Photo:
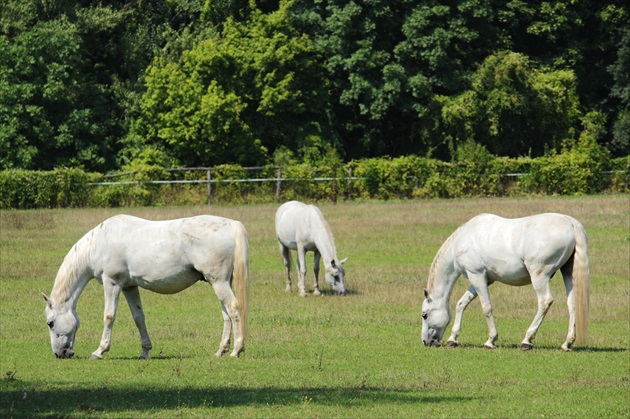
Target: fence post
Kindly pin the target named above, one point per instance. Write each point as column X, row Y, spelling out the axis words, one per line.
column 335, row 186
column 209, row 186
column 349, row 183
column 278, row 183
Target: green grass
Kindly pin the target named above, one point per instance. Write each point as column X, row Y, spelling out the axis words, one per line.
column 353, row 356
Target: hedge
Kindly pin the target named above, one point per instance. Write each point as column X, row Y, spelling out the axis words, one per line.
column 570, row 173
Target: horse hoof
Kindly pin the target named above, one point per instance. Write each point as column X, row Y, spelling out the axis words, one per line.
column 94, row 356
column 452, row 344
column 565, row 348
column 317, row 293
column 236, row 354
column 526, row 346
column 489, row 347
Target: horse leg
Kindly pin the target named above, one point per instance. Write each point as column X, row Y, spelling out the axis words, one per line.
column 286, row 256
column 224, row 346
column 463, row 302
column 231, row 317
column 567, row 275
column 132, row 295
column 316, row 272
column 545, row 299
column 112, row 293
column 480, row 284
column 301, row 261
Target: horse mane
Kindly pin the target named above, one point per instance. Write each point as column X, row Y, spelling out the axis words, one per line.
column 73, row 266
column 437, row 260
column 320, row 217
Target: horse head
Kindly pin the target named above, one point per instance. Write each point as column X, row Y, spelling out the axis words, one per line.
column 63, row 323
column 336, row 276
column 435, row 318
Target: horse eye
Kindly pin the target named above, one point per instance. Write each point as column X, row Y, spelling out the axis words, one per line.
column 51, row 324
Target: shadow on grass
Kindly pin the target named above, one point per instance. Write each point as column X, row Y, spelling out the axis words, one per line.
column 21, row 401
column 330, row 293
column 513, row 346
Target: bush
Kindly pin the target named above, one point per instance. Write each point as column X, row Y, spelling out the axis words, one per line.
column 580, row 169
column 26, row 189
column 586, row 168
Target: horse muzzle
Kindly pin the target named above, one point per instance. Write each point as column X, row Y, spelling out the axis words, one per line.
column 432, row 342
column 64, row 354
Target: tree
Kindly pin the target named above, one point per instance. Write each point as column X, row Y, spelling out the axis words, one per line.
column 620, row 71
column 236, row 97
column 43, row 119
column 69, row 75
column 514, row 108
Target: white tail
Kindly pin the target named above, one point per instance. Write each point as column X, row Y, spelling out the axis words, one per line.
column 581, row 282
column 241, row 273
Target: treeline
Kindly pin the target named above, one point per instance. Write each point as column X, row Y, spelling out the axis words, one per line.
column 582, row 170
column 118, row 85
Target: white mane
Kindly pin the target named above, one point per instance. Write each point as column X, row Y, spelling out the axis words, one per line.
column 438, row 261
column 328, row 233
column 74, row 265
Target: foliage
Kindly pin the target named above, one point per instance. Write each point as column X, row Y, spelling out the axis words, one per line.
column 582, row 168
column 211, row 82
column 234, row 97
column 513, row 108
column 45, row 189
column 621, row 90
column 578, row 170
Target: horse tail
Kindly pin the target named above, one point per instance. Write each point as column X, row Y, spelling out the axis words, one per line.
column 581, row 282
column 240, row 275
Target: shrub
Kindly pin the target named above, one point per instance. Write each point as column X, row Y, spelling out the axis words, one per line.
column 584, row 168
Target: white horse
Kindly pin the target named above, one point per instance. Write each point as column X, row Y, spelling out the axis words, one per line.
column 303, row 228
column 518, row 251
column 125, row 252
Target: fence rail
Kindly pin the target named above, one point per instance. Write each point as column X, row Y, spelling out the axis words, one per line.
column 278, row 178
column 209, row 180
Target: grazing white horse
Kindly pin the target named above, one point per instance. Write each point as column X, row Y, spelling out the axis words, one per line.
column 125, row 252
column 303, row 228
column 518, row 251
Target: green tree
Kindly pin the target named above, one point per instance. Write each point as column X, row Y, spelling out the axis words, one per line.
column 43, row 119
column 69, row 75
column 387, row 61
column 621, row 91
column 514, row 108
column 236, row 97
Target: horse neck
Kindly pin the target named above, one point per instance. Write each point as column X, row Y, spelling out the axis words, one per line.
column 324, row 240
column 443, row 273
column 74, row 273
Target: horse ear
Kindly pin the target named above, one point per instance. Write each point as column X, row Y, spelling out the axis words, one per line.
column 426, row 294
column 341, row 262
column 47, row 300
column 332, row 263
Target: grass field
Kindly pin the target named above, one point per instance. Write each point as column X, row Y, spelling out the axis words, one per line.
column 354, row 356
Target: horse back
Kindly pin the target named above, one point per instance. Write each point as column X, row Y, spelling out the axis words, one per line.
column 164, row 256
column 294, row 223
column 510, row 248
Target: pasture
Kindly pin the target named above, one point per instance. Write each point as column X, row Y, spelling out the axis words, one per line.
column 355, row 356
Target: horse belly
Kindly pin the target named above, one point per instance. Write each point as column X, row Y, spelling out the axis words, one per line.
column 164, row 275
column 167, row 284
column 508, row 272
